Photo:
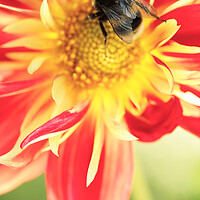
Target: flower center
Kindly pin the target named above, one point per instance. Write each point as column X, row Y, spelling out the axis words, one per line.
column 89, row 61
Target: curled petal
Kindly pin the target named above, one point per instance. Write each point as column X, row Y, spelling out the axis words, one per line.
column 62, row 122
column 59, row 9
column 117, row 129
column 46, row 16
column 161, row 87
column 162, row 33
column 54, row 142
column 166, row 32
column 62, row 94
column 157, row 120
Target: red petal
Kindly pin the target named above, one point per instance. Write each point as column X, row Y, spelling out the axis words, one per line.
column 11, row 121
column 117, row 169
column 186, row 88
column 14, row 177
column 13, row 3
column 157, row 120
column 16, row 87
column 185, row 60
column 12, row 130
column 189, row 32
column 19, row 9
column 163, row 3
column 168, row 76
column 62, row 122
column 13, row 110
column 6, row 37
column 192, row 124
column 66, row 175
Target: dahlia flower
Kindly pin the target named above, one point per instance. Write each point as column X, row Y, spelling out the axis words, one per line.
column 73, row 108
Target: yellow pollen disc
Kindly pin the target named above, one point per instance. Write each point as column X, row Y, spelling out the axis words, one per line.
column 87, row 59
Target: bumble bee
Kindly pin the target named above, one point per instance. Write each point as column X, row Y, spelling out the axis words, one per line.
column 125, row 16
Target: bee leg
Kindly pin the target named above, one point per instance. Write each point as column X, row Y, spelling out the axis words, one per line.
column 93, row 16
column 103, row 30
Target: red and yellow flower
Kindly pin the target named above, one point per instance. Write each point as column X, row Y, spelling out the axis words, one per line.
column 62, row 91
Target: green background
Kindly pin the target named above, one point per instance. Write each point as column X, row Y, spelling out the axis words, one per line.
column 168, row 169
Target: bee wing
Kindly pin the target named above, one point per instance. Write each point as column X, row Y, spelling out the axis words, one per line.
column 121, row 21
column 128, row 9
column 149, row 9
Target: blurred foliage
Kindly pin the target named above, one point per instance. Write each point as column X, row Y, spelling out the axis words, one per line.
column 28, row 191
column 168, row 169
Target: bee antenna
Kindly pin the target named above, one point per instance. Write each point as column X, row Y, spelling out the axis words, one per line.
column 161, row 19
